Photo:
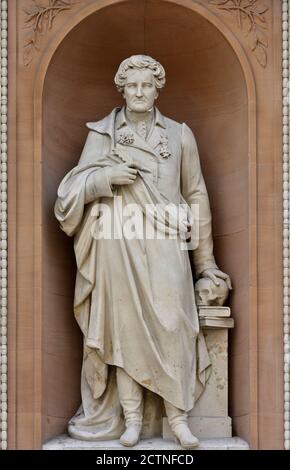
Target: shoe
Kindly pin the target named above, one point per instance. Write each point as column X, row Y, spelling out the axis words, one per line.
column 184, row 436
column 132, row 435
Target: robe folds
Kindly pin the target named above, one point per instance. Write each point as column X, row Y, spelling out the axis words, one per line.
column 134, row 298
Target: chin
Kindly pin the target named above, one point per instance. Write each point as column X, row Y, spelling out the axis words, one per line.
column 141, row 108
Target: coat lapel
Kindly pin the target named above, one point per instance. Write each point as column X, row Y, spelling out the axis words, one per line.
column 127, row 133
column 154, row 138
column 158, row 131
column 107, row 126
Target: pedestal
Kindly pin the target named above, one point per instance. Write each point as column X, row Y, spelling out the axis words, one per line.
column 64, row 442
column 209, row 418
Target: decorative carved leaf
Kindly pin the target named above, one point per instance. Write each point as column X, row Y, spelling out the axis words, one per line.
column 247, row 24
column 245, row 3
column 260, row 8
column 218, row 2
column 43, row 3
column 261, row 21
column 32, row 10
column 29, row 37
column 261, row 55
column 249, row 15
column 39, row 20
column 253, row 41
column 28, row 54
column 262, row 38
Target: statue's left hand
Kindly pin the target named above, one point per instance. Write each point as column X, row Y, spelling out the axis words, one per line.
column 215, row 274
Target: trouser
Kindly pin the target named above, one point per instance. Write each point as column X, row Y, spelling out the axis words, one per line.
column 131, row 399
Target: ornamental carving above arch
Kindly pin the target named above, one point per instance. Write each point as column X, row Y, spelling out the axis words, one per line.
column 250, row 16
column 40, row 16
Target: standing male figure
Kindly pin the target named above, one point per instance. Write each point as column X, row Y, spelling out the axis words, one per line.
column 134, row 298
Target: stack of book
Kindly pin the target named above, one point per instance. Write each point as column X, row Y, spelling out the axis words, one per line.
column 215, row 317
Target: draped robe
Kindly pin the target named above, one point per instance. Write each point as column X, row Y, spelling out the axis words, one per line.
column 134, row 298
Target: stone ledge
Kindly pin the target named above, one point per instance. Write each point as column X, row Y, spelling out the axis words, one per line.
column 64, row 442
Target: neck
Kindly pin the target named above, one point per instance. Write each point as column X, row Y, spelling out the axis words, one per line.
column 133, row 116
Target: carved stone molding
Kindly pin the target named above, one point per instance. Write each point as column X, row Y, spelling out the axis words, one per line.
column 3, row 219
column 286, row 224
column 40, row 16
column 251, row 19
column 31, row 25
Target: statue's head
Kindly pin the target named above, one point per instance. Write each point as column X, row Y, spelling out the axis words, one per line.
column 139, row 78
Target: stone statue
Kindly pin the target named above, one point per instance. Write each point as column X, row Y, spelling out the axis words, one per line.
column 134, row 296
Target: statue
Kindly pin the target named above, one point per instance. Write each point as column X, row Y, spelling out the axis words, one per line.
column 134, row 296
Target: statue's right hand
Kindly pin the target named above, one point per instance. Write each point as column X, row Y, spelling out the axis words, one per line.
column 122, row 173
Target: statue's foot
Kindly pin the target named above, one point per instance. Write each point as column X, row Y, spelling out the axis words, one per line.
column 184, row 436
column 132, row 435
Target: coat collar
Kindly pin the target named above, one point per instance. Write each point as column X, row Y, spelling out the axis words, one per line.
column 122, row 120
column 107, row 125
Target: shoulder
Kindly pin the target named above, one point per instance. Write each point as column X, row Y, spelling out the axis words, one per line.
column 104, row 125
column 181, row 128
column 188, row 139
column 173, row 125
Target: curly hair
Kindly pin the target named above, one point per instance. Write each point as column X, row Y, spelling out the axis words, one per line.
column 140, row 62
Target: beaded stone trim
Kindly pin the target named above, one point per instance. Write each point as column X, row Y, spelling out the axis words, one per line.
column 286, row 274
column 3, row 217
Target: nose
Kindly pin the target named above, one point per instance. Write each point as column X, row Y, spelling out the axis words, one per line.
column 139, row 92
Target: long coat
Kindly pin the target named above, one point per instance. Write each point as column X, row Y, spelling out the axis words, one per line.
column 134, row 299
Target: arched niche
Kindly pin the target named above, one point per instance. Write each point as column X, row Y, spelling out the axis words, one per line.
column 208, row 88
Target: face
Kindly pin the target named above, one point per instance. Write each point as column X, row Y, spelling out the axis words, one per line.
column 140, row 91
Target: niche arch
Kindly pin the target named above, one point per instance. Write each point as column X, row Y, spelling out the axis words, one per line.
column 211, row 87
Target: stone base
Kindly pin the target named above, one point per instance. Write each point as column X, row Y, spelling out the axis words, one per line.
column 64, row 442
column 203, row 427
